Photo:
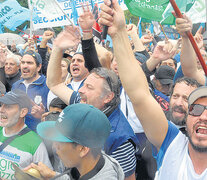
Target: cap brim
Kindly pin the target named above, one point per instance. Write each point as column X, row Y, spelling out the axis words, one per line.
column 166, row 81
column 196, row 94
column 48, row 130
column 65, row 55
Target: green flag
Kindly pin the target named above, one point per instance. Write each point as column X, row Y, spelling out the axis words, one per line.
column 153, row 9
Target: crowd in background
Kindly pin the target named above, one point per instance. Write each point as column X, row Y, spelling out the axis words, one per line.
column 125, row 82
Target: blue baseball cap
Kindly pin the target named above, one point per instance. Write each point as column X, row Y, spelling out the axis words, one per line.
column 16, row 96
column 35, row 55
column 79, row 123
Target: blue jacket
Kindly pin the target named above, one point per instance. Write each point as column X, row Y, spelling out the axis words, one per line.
column 121, row 132
column 36, row 88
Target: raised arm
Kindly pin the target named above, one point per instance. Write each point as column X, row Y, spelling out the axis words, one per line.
column 133, row 79
column 132, row 32
column 66, row 39
column 86, row 21
column 188, row 56
column 159, row 55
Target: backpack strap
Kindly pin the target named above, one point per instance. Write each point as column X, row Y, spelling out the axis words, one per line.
column 10, row 139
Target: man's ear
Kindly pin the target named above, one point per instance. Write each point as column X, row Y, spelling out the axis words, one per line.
column 108, row 97
column 83, row 151
column 23, row 112
column 39, row 67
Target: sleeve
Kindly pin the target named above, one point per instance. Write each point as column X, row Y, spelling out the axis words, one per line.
column 64, row 177
column 145, row 53
column 125, row 155
column 178, row 74
column 75, row 98
column 42, row 52
column 41, row 155
column 2, row 76
column 90, row 54
column 147, row 72
column 171, row 134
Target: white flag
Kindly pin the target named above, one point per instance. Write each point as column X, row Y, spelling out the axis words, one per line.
column 48, row 8
column 198, row 12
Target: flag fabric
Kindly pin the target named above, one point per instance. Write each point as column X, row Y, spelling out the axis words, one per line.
column 96, row 28
column 151, row 28
column 22, row 32
column 183, row 5
column 92, row 4
column 49, row 8
column 156, row 27
column 13, row 14
column 1, row 29
column 198, row 12
column 140, row 27
column 74, row 12
column 153, row 10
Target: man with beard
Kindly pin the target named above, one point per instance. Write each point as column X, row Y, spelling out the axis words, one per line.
column 178, row 101
column 34, row 85
column 178, row 156
column 22, row 146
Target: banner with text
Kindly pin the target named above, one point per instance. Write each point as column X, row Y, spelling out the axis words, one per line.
column 12, row 14
column 58, row 18
column 198, row 12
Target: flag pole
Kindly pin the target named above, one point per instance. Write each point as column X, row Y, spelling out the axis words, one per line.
column 64, row 13
column 163, row 31
column 31, row 17
column 190, row 36
column 206, row 13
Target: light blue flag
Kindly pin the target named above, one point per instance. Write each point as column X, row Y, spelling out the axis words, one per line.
column 92, row 4
column 74, row 12
column 140, row 28
column 151, row 28
column 12, row 14
column 1, row 29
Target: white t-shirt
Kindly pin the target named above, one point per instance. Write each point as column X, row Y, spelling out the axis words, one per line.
column 125, row 106
column 174, row 162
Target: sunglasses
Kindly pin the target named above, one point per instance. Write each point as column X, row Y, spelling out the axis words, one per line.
column 196, row 109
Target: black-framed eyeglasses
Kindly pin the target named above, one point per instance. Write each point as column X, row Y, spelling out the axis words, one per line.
column 196, row 109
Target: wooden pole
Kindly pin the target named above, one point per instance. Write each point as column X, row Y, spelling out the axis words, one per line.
column 163, row 31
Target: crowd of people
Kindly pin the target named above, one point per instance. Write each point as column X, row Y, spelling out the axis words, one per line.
column 133, row 111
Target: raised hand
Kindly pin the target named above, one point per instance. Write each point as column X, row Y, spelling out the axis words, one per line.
column 131, row 30
column 86, row 20
column 112, row 17
column 37, row 110
column 183, row 25
column 199, row 37
column 47, row 35
column 3, row 54
column 68, row 38
column 164, row 50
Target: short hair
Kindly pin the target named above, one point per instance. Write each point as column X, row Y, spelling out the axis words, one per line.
column 58, row 103
column 174, row 61
column 187, row 80
column 15, row 58
column 112, row 84
column 94, row 151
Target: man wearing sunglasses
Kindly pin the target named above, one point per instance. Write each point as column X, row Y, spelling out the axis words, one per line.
column 178, row 156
